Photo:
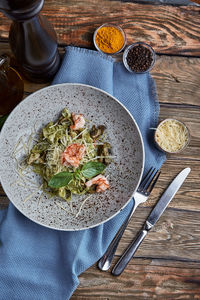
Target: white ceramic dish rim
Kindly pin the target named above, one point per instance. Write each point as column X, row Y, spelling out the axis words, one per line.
column 141, row 139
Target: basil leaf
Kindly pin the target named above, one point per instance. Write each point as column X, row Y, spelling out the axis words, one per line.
column 60, row 179
column 92, row 168
column 77, row 175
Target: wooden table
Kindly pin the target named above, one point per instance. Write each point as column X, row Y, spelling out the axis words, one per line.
column 167, row 265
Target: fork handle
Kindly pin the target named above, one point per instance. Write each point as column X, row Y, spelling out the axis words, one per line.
column 106, row 260
column 128, row 254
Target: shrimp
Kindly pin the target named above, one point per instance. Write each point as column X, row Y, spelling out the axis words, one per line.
column 101, row 182
column 78, row 120
column 72, row 155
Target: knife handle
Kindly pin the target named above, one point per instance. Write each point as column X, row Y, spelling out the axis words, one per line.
column 128, row 254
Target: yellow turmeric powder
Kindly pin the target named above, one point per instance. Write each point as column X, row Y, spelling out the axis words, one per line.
column 109, row 39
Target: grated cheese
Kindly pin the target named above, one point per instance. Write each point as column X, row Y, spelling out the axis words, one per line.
column 82, row 204
column 60, row 206
column 171, row 135
column 33, row 194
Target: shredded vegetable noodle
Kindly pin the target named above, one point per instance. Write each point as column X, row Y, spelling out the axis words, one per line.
column 67, row 154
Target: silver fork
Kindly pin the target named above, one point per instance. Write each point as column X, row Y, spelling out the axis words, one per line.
column 145, row 188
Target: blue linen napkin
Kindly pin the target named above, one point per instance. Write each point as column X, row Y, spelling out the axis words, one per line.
column 42, row 263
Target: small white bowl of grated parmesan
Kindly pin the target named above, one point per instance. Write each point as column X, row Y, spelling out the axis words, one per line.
column 172, row 136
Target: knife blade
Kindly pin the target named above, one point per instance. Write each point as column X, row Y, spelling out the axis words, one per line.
column 151, row 220
column 167, row 196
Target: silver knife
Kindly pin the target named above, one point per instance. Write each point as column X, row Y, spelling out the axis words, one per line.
column 151, row 221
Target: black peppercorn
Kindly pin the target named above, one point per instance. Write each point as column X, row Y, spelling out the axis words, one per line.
column 139, row 58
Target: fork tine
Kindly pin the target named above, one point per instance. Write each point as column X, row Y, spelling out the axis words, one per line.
column 147, row 178
column 153, row 181
column 150, row 178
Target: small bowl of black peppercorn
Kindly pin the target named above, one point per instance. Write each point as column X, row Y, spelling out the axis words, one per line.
column 139, row 58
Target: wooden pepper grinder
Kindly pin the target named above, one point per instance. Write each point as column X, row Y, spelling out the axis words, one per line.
column 32, row 39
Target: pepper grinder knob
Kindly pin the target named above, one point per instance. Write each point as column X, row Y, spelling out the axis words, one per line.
column 32, row 39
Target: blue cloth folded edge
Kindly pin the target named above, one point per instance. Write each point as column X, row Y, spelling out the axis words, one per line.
column 53, row 260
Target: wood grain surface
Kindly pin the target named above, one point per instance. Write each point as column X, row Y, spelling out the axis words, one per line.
column 161, row 2
column 167, row 265
column 169, row 29
column 144, row 278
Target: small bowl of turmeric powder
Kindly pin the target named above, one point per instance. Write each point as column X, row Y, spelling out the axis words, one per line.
column 109, row 39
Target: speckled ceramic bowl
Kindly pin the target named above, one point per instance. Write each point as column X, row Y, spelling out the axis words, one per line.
column 124, row 173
